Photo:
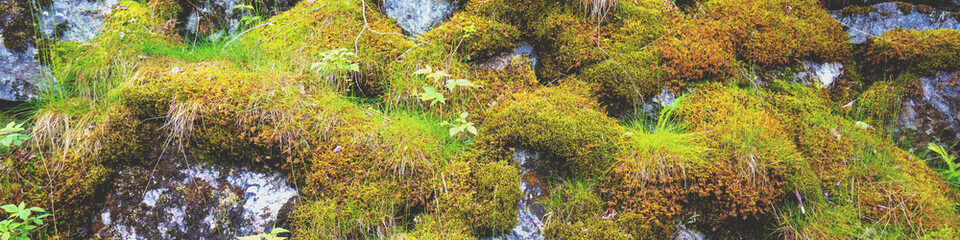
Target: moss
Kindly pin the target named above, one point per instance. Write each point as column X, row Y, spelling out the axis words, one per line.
column 498, row 192
column 855, row 9
column 905, row 8
column 128, row 140
column 770, row 35
column 566, row 43
column 563, row 124
column 879, row 104
column 924, row 52
column 631, row 78
column 593, row 228
column 474, row 37
column 698, row 52
column 299, row 35
column 132, row 24
column 925, row 9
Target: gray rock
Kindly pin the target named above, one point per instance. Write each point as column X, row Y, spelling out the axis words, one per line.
column 684, row 233
column 192, row 202
column 78, row 20
column 932, row 117
column 824, row 74
column 418, row 16
column 862, row 27
column 20, row 74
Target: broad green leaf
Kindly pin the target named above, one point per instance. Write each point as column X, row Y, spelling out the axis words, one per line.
column 472, row 129
column 453, row 131
column 279, row 230
column 256, row 237
column 423, row 71
column 5, row 236
column 10, row 208
column 36, row 209
column 464, row 115
column 26, row 227
column 24, row 215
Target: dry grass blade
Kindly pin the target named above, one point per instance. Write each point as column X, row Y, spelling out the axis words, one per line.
column 598, row 9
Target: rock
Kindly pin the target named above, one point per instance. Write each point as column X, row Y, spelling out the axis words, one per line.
column 932, row 117
column 75, row 20
column 888, row 17
column 20, row 74
column 529, row 217
column 418, row 16
column 823, row 73
column 684, row 233
column 192, row 202
column 217, row 19
column 525, row 50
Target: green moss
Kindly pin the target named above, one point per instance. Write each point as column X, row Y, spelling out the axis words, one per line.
column 905, row 8
column 925, row 9
column 474, row 37
column 566, row 43
column 593, row 228
column 563, row 124
column 924, row 52
column 855, row 9
column 498, row 192
column 630, row 78
column 771, row 35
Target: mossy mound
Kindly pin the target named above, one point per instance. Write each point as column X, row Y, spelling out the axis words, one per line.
column 474, row 37
column 562, row 123
column 923, row 52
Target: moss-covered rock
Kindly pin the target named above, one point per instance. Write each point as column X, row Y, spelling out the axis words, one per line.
column 562, row 123
column 474, row 37
column 498, row 193
column 924, row 52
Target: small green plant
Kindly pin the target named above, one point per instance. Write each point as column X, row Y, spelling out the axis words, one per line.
column 452, row 84
column 952, row 173
column 431, row 94
column 436, row 75
column 20, row 221
column 12, row 135
column 460, row 125
column 268, row 236
column 249, row 18
column 334, row 64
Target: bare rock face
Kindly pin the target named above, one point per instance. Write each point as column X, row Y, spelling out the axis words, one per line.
column 934, row 116
column 183, row 201
column 418, row 16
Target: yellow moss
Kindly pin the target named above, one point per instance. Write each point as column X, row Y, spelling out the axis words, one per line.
column 560, row 122
column 498, row 192
column 474, row 37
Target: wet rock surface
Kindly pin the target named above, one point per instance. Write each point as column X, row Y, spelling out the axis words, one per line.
column 176, row 200
column 932, row 116
column 861, row 27
column 530, row 215
column 418, row 16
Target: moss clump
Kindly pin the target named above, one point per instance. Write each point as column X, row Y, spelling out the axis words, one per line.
column 924, row 52
column 474, row 37
column 498, row 192
column 905, row 8
column 628, row 79
column 299, row 35
column 593, row 228
column 925, row 9
column 855, row 9
column 700, row 51
column 566, row 44
column 563, row 124
column 771, row 35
